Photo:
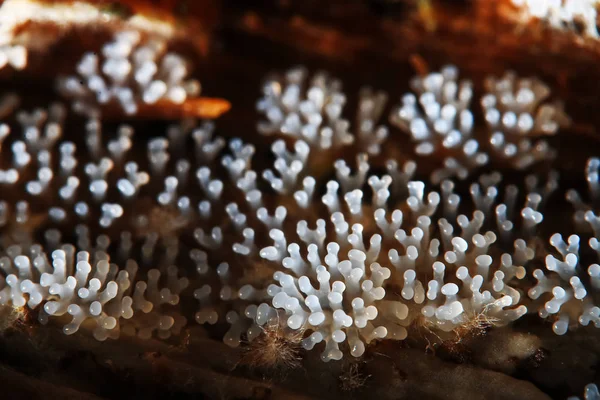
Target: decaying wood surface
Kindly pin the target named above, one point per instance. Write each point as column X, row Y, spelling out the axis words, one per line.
column 381, row 43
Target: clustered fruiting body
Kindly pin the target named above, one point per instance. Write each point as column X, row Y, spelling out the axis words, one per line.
column 131, row 70
column 573, row 285
column 587, row 214
column 77, row 276
column 339, row 257
column 14, row 56
column 334, row 285
column 576, row 15
column 590, row 392
column 439, row 119
column 312, row 111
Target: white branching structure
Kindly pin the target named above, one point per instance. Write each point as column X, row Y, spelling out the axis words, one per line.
column 338, row 290
column 312, row 111
column 29, row 26
column 14, row 56
column 46, row 167
column 571, row 297
column 587, row 213
column 516, row 115
column 340, row 259
column 570, row 300
column 575, row 15
column 590, row 392
column 439, row 120
column 331, row 280
column 94, row 188
column 331, row 277
column 96, row 291
column 132, row 70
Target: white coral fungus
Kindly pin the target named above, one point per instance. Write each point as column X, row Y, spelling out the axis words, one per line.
column 576, row 15
column 312, row 111
column 132, row 70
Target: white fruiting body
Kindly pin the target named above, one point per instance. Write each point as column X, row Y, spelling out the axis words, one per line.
column 516, row 115
column 351, row 282
column 131, row 70
column 312, row 111
column 347, row 257
column 568, row 297
column 590, row 392
column 14, row 55
column 563, row 14
column 72, row 283
column 333, row 285
column 444, row 278
column 439, row 120
column 587, row 214
column 313, row 115
column 95, row 195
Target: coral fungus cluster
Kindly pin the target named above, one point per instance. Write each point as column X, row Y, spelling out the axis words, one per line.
column 440, row 120
column 576, row 15
column 346, row 258
column 590, row 393
column 132, row 69
column 321, row 239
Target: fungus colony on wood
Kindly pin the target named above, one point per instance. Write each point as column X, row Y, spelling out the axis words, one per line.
column 97, row 235
column 132, row 69
column 576, row 15
column 590, row 392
